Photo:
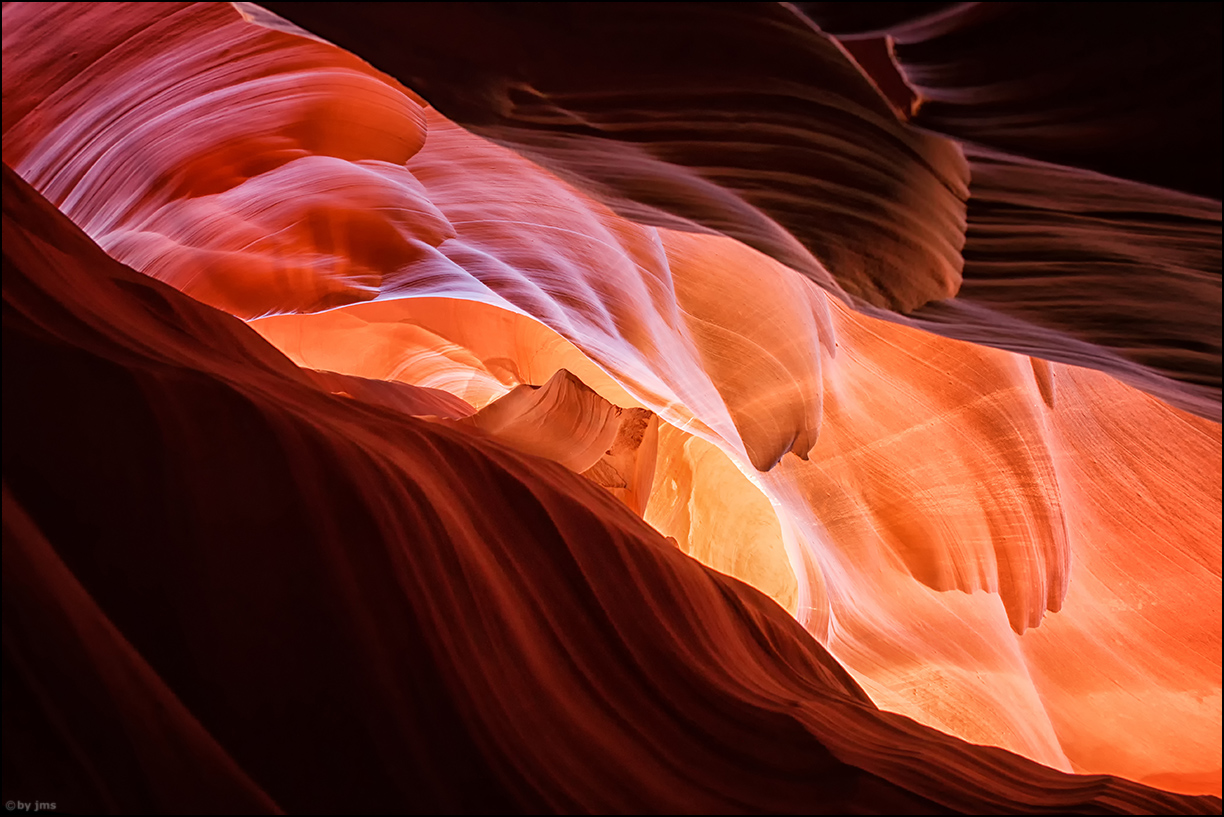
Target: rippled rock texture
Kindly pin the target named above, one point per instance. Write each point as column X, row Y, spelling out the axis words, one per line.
column 635, row 407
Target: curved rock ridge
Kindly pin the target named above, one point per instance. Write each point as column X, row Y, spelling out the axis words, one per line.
column 470, row 349
column 1060, row 85
column 740, row 140
column 1128, row 276
column 614, row 108
column 972, row 69
column 192, row 151
column 360, row 224
column 415, row 400
column 330, row 604
column 563, row 420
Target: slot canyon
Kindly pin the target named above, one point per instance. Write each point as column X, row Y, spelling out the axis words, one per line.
column 612, row 407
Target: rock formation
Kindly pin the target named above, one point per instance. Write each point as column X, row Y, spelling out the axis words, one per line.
column 618, row 407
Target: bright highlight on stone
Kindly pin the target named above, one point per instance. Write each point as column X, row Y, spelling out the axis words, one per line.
column 558, row 413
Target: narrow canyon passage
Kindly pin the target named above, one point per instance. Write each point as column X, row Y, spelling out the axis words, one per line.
column 539, row 418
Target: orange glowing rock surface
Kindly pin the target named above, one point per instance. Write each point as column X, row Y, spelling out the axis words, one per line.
column 563, row 421
column 1008, row 551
